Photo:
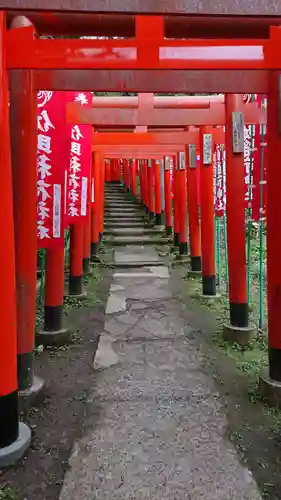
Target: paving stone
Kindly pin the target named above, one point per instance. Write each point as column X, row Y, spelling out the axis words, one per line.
column 115, row 303
column 116, row 288
column 134, row 254
column 105, row 354
column 116, row 328
column 139, row 306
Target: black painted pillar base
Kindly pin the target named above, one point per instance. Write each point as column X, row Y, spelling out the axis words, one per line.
column 10, row 454
column 100, row 237
column 9, row 422
column 209, row 285
column 169, row 230
column 196, row 264
column 86, row 265
column 239, row 314
column 151, row 216
column 128, row 190
column 53, row 318
column 183, row 248
column 159, row 219
column 176, row 239
column 239, row 331
column 146, row 209
column 25, row 370
column 15, row 436
column 274, row 358
column 75, row 285
column 53, row 333
column 94, row 250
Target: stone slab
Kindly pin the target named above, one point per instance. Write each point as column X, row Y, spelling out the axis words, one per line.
column 115, row 303
column 136, row 264
column 152, row 272
column 131, row 327
column 121, row 205
column 132, row 240
column 123, row 210
column 117, row 225
column 136, row 254
column 124, row 217
column 131, row 231
column 105, row 355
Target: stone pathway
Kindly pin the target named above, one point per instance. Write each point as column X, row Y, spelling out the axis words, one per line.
column 155, row 427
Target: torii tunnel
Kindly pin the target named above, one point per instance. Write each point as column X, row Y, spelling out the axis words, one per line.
column 154, row 47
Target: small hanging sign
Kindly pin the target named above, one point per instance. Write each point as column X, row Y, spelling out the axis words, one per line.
column 182, row 161
column 207, row 149
column 167, row 162
column 93, row 190
column 237, row 132
column 279, row 102
column 192, row 155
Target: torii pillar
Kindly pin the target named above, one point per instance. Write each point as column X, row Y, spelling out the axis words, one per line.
column 23, row 113
column 168, row 196
column 193, row 211
column 238, row 330
column 95, row 206
column 207, row 214
column 15, row 437
column 23, row 151
column 270, row 383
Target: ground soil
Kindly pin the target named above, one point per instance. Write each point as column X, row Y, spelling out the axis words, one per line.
column 58, row 420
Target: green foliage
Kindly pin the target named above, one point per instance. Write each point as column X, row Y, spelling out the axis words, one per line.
column 8, row 494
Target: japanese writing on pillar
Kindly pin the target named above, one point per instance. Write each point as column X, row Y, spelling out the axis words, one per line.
column 172, row 166
column 79, row 163
column 259, row 174
column 44, row 171
column 52, row 150
column 249, row 145
column 48, row 193
column 219, row 180
column 74, row 178
column 249, row 148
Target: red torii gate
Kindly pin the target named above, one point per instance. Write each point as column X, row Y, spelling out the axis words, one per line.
column 213, row 115
column 228, row 66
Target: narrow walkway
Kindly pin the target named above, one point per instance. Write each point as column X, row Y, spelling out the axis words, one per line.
column 155, row 427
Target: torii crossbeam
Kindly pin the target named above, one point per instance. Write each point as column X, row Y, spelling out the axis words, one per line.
column 215, row 115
